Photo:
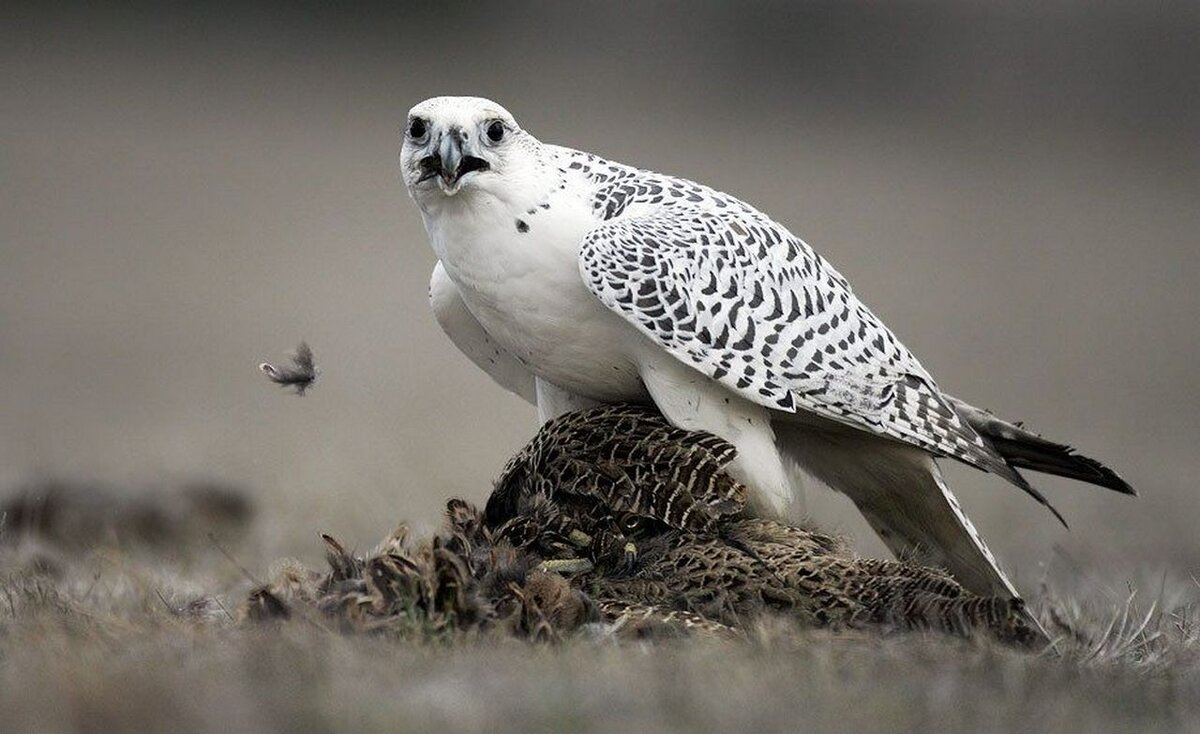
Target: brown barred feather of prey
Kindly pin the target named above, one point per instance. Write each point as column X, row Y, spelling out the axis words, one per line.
column 622, row 458
column 611, row 515
column 621, row 475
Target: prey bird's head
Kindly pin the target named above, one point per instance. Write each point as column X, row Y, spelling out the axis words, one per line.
column 460, row 144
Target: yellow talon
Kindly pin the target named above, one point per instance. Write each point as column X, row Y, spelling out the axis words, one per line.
column 580, row 538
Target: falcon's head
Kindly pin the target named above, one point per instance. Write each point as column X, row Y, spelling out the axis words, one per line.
column 455, row 145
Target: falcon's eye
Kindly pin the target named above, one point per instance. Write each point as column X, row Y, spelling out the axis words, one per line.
column 417, row 128
column 495, row 131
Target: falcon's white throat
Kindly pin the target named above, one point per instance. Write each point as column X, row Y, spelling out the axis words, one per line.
column 571, row 279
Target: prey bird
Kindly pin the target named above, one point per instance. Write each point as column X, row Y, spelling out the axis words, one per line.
column 575, row 281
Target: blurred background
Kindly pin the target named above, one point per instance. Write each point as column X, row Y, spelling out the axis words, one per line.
column 1014, row 187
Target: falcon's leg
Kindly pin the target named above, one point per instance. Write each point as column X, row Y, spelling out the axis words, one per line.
column 553, row 401
column 900, row 491
column 472, row 340
column 692, row 401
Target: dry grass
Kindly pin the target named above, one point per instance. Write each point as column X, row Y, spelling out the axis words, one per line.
column 121, row 637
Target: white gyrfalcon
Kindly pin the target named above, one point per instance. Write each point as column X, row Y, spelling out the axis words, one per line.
column 573, row 280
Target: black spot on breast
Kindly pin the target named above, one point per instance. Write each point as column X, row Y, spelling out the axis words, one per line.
column 522, row 227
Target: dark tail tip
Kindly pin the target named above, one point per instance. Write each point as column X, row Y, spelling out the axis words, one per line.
column 1061, row 460
column 1024, row 449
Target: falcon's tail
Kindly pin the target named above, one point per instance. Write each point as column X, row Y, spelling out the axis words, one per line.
column 1023, row 449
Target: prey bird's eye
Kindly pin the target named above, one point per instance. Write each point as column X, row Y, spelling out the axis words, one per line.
column 495, row 131
column 417, row 128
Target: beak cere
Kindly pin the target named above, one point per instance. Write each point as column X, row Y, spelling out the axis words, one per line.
column 453, row 160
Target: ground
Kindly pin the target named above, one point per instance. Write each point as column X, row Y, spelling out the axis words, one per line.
column 134, row 634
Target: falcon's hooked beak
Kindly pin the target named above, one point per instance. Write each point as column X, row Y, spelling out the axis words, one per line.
column 454, row 159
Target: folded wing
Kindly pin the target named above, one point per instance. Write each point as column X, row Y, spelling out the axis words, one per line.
column 736, row 296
